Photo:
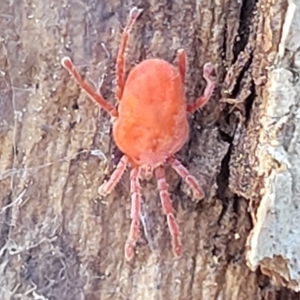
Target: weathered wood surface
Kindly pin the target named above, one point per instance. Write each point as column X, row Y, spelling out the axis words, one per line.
column 274, row 241
column 59, row 240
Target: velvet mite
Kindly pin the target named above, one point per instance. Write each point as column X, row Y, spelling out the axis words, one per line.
column 151, row 126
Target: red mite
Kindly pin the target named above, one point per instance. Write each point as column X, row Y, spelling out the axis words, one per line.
column 151, row 126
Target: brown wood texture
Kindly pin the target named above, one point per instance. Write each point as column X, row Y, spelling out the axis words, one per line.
column 59, row 239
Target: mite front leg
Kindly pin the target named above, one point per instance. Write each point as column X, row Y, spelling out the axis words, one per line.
column 115, row 177
column 135, row 191
column 68, row 64
column 181, row 55
column 187, row 177
column 120, row 68
column 208, row 74
column 168, row 210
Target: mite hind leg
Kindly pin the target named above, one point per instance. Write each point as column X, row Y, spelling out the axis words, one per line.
column 168, row 210
column 120, row 67
column 115, row 177
column 186, row 176
column 135, row 192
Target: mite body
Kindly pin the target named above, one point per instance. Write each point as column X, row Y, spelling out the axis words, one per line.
column 152, row 122
column 151, row 126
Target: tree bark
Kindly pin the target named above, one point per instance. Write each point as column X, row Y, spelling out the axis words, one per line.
column 61, row 240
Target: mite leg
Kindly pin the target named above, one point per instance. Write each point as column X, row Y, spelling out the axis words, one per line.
column 120, row 68
column 135, row 192
column 168, row 209
column 115, row 177
column 68, row 64
column 187, row 177
column 208, row 74
column 181, row 54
